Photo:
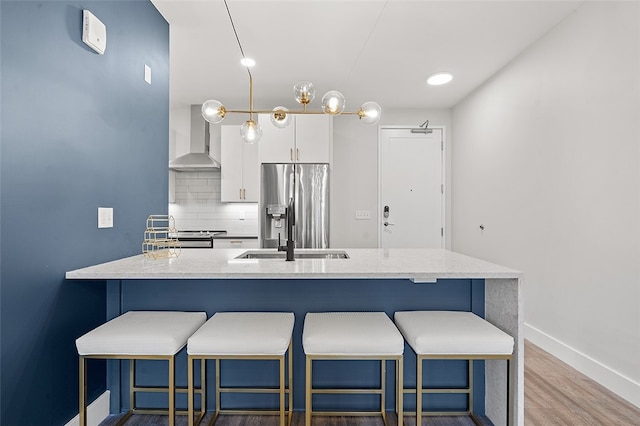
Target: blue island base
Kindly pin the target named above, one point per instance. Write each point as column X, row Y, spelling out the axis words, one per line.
column 299, row 296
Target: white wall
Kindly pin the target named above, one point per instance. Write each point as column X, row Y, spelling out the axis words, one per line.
column 354, row 176
column 546, row 156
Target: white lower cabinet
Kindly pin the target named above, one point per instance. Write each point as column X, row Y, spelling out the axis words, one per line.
column 247, row 243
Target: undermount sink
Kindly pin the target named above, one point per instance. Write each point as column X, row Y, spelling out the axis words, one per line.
column 298, row 254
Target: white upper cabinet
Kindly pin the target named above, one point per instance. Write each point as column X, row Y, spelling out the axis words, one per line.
column 313, row 138
column 240, row 180
column 276, row 145
column 307, row 139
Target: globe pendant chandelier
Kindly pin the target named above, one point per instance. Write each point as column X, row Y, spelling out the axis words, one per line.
column 333, row 103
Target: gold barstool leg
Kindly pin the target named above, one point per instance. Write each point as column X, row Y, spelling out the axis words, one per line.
column 132, row 384
column 471, row 388
column 217, row 387
column 307, row 405
column 82, row 416
column 172, row 391
column 419, row 391
column 203, row 388
column 290, row 361
column 282, row 403
column 190, row 390
column 400, row 391
column 383, row 373
column 509, row 392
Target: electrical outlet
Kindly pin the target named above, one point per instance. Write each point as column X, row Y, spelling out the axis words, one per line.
column 105, row 217
column 363, row 215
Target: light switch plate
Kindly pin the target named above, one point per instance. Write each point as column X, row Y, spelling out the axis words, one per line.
column 147, row 73
column 105, row 217
column 363, row 215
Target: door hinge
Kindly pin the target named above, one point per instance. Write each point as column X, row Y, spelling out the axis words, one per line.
column 442, row 232
column 442, row 188
column 441, row 145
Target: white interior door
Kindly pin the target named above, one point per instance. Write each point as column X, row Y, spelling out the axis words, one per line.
column 411, row 189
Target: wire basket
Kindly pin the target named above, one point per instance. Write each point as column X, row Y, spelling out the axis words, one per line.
column 160, row 241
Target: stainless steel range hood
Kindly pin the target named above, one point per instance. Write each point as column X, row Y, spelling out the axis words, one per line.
column 198, row 158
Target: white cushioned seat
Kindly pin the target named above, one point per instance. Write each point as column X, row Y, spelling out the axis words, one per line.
column 243, row 333
column 451, row 333
column 351, row 333
column 142, row 333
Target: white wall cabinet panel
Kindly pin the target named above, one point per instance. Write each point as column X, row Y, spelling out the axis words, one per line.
column 306, row 140
column 250, row 172
column 239, row 177
column 313, row 139
column 276, row 145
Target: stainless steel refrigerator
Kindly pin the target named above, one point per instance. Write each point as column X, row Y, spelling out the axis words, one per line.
column 308, row 184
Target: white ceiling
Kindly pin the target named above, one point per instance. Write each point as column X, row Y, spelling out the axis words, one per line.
column 368, row 50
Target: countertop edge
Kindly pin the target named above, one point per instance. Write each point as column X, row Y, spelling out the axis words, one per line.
column 419, row 278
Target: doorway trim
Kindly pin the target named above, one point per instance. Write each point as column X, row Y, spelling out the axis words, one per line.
column 445, row 182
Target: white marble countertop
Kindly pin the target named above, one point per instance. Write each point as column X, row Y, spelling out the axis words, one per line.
column 420, row 265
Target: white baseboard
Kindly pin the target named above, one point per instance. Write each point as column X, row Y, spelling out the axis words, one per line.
column 97, row 411
column 614, row 381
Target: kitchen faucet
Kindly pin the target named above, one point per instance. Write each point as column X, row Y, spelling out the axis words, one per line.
column 291, row 242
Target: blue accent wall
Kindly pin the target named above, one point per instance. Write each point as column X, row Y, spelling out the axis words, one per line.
column 78, row 131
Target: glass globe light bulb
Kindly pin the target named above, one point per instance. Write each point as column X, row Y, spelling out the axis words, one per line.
column 213, row 111
column 280, row 118
column 333, row 102
column 251, row 131
column 370, row 112
column 304, row 92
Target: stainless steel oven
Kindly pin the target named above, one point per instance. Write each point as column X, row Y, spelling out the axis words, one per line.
column 197, row 239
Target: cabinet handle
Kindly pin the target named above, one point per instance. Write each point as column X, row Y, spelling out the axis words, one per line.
column 235, row 241
column 297, row 154
column 244, row 193
column 240, row 195
column 291, row 154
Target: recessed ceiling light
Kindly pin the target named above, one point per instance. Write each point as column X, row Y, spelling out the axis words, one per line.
column 440, row 78
column 247, row 62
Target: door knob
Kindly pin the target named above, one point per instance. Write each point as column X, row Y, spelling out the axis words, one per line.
column 388, row 224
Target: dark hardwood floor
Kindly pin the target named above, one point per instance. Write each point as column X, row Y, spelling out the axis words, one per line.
column 555, row 394
column 298, row 420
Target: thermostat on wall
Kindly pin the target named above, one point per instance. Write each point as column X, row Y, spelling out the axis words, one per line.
column 94, row 32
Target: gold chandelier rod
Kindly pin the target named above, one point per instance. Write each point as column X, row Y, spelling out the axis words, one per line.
column 270, row 111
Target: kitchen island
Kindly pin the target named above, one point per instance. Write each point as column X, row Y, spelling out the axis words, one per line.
column 387, row 280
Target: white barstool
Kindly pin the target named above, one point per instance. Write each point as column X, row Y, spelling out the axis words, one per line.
column 352, row 336
column 453, row 335
column 243, row 335
column 151, row 335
